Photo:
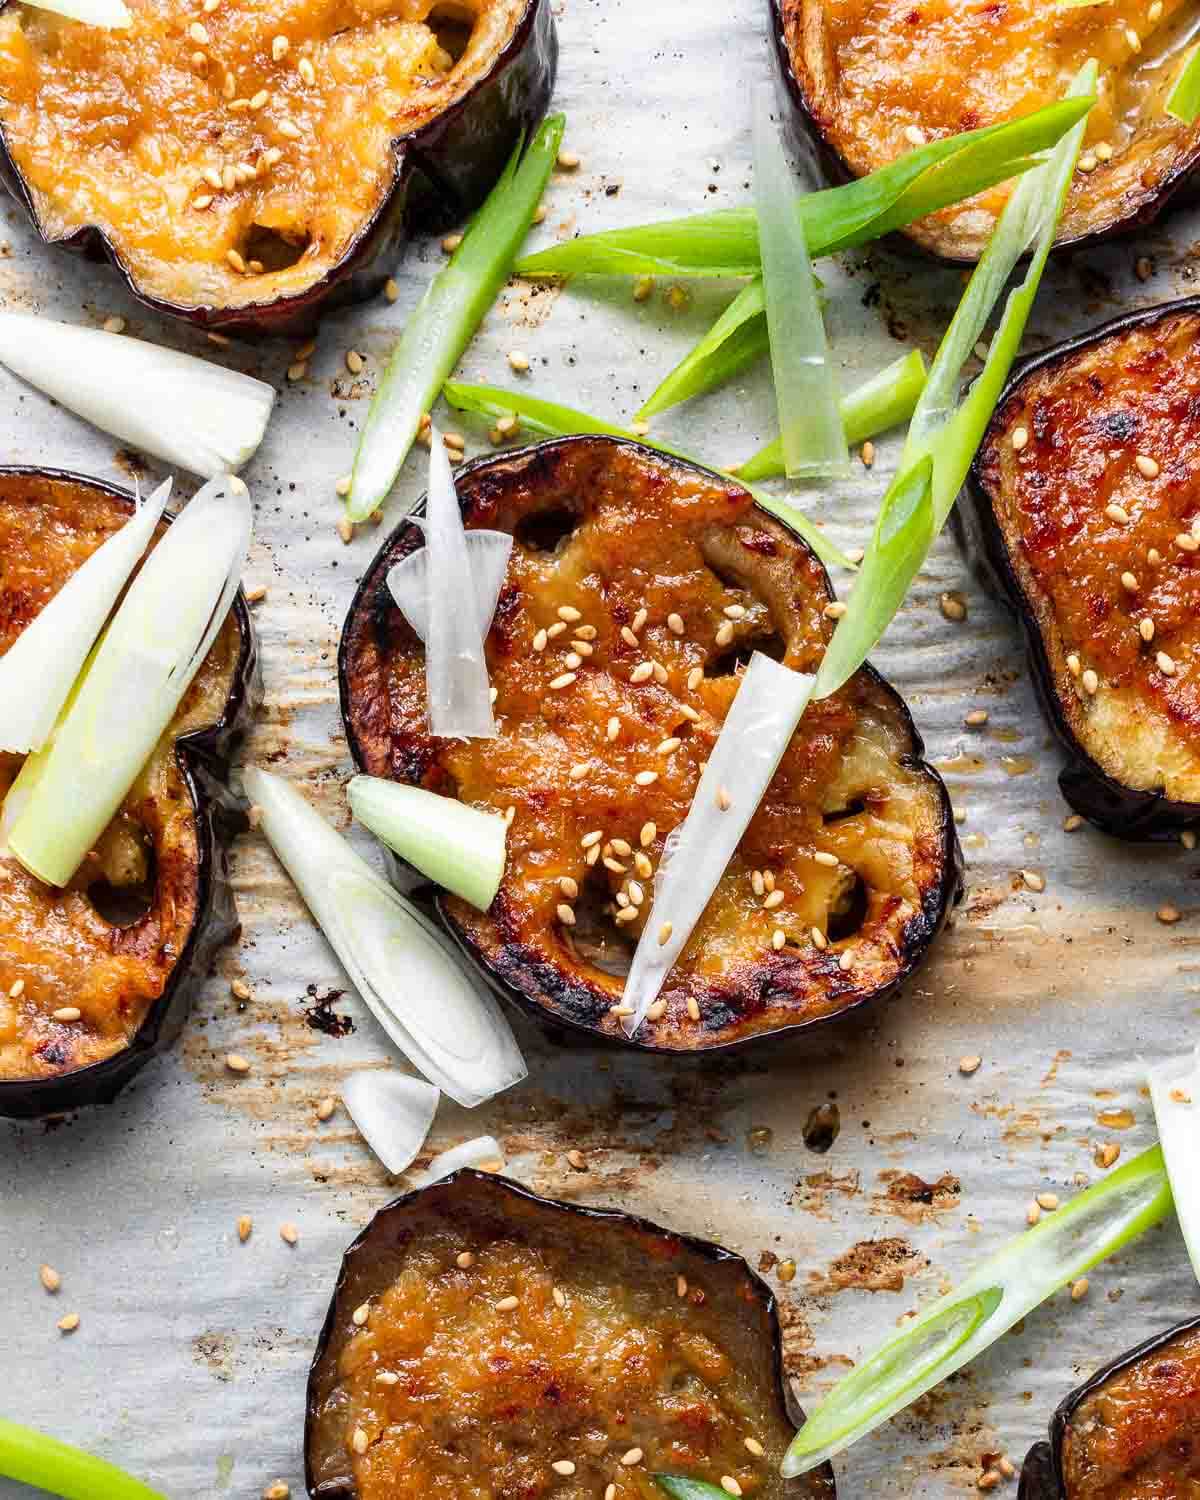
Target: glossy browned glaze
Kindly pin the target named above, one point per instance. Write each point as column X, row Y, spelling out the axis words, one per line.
column 1092, row 573
column 450, row 1388
column 879, row 76
column 620, row 541
column 232, row 155
column 56, row 948
column 1137, row 1437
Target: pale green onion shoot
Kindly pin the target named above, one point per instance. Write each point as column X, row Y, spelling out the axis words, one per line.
column 393, row 1112
column 1175, row 1094
column 36, row 1459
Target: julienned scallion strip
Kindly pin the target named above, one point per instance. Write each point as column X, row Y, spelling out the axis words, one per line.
column 1184, row 101
column 33, row 1458
column 445, row 320
column 945, row 431
column 549, row 419
column 1003, row 1290
column 726, row 243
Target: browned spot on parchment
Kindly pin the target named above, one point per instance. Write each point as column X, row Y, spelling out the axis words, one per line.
column 872, row 1266
column 912, row 1198
column 815, row 1190
column 215, row 1350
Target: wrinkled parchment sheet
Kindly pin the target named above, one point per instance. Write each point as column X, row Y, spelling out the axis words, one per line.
column 190, row 1360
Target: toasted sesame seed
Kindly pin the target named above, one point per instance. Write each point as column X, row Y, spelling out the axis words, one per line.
column 1129, row 583
column 646, row 778
column 518, row 361
column 1147, row 466
column 778, row 939
column 289, row 1234
column 622, row 847
column 1146, row 629
column 359, row 1441
column 360, row 1315
column 67, row 1013
column 1104, row 152
column 1186, row 542
column 1073, row 665
column 753, row 1446
column 1168, row 914
column 787, row 1270
column 769, row 879
column 819, row 939
column 867, row 454
column 1032, row 1214
column 988, row 1481
column 565, row 914
column 68, row 1324
column 1020, row 438
column 634, row 1456
column 953, row 608
column 642, row 672
column 289, row 130
column 563, row 680
column 1033, row 880
column 725, row 634
column 822, row 857
column 387, row 1377
column 1087, row 162
column 1048, row 1201
column 391, row 287
column 1188, row 838
column 647, row 835
column 772, row 900
column 834, row 611
column 730, row 1485
column 1116, row 513
column 675, row 623
column 464, row 1260
column 577, row 1160
column 279, row 47
column 563, row 1466
column 1135, row 41
column 1091, row 683
column 508, row 1304
column 625, row 914
column 50, row 1278
column 236, row 1063
column 969, row 1065
column 326, row 1107
column 280, row 1490
column 593, row 838
column 1079, row 1289
column 298, row 368
column 198, row 34
column 724, row 800
column 1107, row 1154
column 345, row 529
column 660, row 672
column 914, row 135
column 693, row 1008
column 582, row 649
column 17, row 990
column 579, row 771
column 1166, row 664
column 355, row 362
column 734, row 611
column 245, row 1226
column 757, row 884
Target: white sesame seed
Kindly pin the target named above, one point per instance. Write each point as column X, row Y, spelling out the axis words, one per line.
column 1020, row 438
column 236, row 1063
column 753, row 1446
column 387, row 1377
column 591, row 839
column 289, row 1234
column 822, row 857
column 1166, row 664
column 642, row 672
column 279, row 47
column 724, row 800
column 772, row 900
column 914, row 135
column 646, row 778
column 50, row 1278
column 360, row 1315
column 725, row 634
column 67, row 1013
column 508, row 1304
column 1129, row 583
column 1091, row 683
column 563, row 1466
column 359, row 1441
column 1146, row 629
column 834, row 611
column 1147, row 466
column 68, row 1324
column 675, row 624
column 1073, row 665
column 564, row 680
column 694, row 678
column 518, row 361
column 1033, row 880
column 634, row 1456
column 1116, row 513
column 730, row 1485
column 668, row 747
column 565, row 914
column 693, row 1007
column 819, row 939
column 778, row 938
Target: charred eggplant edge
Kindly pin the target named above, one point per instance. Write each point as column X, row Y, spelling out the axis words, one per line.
column 919, row 935
column 440, row 173
column 1119, row 810
column 473, row 1182
column 1041, row 1473
column 203, row 758
column 809, row 134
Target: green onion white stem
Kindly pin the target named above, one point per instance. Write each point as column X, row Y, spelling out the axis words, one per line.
column 404, row 967
column 933, row 176
column 488, row 553
column 35, row 1459
column 133, row 684
column 1004, row 1289
column 461, row 848
column 806, row 394
column 113, row 15
column 549, row 419
column 1183, row 103
column 880, row 403
column 1175, row 1094
column 483, row 1152
column 393, row 1112
column 757, row 730
column 945, row 431
column 189, row 412
column 39, row 669
column 445, row 320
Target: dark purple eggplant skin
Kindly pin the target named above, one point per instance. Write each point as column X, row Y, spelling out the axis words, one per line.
column 1042, row 1472
column 204, row 759
column 1181, row 189
column 468, row 1192
column 1124, row 812
column 441, row 174
column 523, row 975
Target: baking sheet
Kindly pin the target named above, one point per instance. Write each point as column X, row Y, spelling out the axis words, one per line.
column 190, row 1359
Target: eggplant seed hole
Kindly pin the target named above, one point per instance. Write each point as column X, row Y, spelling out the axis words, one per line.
column 733, row 663
column 847, row 908
column 273, row 249
column 595, row 938
column 453, row 26
column 546, row 530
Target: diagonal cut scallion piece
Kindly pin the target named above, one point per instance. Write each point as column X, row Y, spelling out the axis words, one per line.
column 806, row 394
column 33, row 1458
column 550, row 419
column 40, row 668
column 1183, row 104
column 393, row 1112
column 404, row 967
column 445, row 320
column 944, row 429
column 1003, row 1290
column 683, row 1487
column 882, row 402
column 933, row 176
column 135, row 680
column 484, row 1153
column 488, row 551
column 1175, row 1094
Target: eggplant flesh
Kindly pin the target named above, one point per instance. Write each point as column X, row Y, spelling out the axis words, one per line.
column 869, row 79
column 1131, row 1432
column 1083, row 513
column 242, row 170
column 636, row 1338
column 131, row 939
column 667, row 576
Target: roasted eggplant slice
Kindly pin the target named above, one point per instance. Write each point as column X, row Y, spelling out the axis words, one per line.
column 868, row 79
column 638, row 587
column 1084, row 511
column 505, row 1334
column 1132, row 1432
column 242, row 167
column 129, row 942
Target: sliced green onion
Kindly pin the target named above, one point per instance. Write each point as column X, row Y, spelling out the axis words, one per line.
column 681, row 1487
column 484, row 1153
column 39, row 669
column 735, row 341
column 1175, row 1094
column 550, row 419
column 944, row 428
column 488, row 553
column 393, row 1114
column 33, row 1458
column 757, row 730
column 404, row 967
column 1184, row 101
column 132, row 685
column 446, row 318
column 1003, row 1290
column 459, row 847
column 189, row 412
column 882, row 402
column 806, row 393
column 933, row 176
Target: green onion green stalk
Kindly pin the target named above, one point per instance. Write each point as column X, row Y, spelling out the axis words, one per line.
column 43, row 1462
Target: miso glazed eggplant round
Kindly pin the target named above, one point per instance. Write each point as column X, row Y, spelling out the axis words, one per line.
column 483, row 1341
column 870, row 79
column 1131, row 1432
column 98, row 977
column 1083, row 509
column 244, row 166
column 637, row 589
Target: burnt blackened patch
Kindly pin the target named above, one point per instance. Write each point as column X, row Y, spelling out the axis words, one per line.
column 322, row 1017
